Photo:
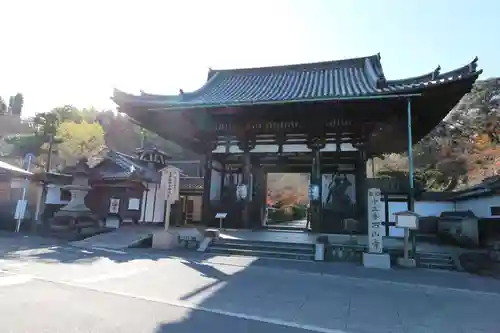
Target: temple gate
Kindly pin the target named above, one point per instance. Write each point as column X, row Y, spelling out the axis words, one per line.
column 323, row 118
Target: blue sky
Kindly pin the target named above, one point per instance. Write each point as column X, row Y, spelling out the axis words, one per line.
column 58, row 52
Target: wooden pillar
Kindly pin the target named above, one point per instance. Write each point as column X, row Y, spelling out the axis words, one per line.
column 246, row 145
column 316, row 144
column 259, row 200
column 206, row 210
column 223, row 180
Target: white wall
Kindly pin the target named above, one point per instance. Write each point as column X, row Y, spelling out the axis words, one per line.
column 152, row 207
column 479, row 206
column 423, row 208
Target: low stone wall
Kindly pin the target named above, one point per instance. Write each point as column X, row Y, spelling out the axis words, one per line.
column 177, row 237
column 345, row 253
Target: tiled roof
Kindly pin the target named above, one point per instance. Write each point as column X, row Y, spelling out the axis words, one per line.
column 128, row 165
column 6, row 168
column 191, row 183
column 350, row 78
column 489, row 185
column 188, row 168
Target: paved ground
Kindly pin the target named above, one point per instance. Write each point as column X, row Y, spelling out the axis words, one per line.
column 38, row 306
column 66, row 289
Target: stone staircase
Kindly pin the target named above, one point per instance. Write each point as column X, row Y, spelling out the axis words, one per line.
column 436, row 261
column 279, row 250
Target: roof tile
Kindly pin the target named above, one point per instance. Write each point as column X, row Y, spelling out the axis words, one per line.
column 348, row 78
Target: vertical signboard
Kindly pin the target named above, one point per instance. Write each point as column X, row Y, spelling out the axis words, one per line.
column 375, row 219
column 171, row 183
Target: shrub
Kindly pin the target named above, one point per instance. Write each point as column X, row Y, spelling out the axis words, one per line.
column 299, row 212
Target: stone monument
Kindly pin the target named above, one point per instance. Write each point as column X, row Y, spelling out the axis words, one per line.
column 375, row 257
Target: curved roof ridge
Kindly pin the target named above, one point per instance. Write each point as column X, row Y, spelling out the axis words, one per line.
column 179, row 98
column 331, row 80
column 468, row 69
column 373, row 67
column 416, row 79
column 360, row 61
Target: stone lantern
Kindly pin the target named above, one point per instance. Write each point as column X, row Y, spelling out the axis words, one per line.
column 76, row 215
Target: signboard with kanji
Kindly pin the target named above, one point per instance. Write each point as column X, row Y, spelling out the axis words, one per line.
column 170, row 183
column 376, row 217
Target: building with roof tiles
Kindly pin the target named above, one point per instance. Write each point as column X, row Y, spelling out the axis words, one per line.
column 135, row 181
column 325, row 118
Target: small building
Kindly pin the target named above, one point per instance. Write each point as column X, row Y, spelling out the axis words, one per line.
column 134, row 183
column 191, row 189
column 12, row 181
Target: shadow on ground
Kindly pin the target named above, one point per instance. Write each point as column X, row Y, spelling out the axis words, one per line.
column 324, row 303
column 281, row 295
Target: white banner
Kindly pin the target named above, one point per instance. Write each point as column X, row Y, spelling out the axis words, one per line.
column 114, row 205
column 376, row 217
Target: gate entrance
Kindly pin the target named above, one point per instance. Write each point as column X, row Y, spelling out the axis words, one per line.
column 287, row 201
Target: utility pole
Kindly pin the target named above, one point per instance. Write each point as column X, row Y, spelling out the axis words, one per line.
column 49, row 157
column 49, row 131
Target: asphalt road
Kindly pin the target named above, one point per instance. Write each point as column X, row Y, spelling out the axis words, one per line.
column 38, row 306
column 48, row 287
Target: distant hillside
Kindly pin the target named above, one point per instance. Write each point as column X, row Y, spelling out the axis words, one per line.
column 463, row 149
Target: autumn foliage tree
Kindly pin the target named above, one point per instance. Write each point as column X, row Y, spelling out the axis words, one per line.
column 463, row 149
column 79, row 140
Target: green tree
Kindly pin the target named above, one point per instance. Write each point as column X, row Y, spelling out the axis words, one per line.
column 46, row 124
column 67, row 113
column 16, row 104
column 40, row 141
column 79, row 140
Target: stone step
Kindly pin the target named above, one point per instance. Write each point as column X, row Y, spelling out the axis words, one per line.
column 260, row 253
column 436, row 261
column 263, row 244
column 269, row 248
column 450, row 267
column 433, row 255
